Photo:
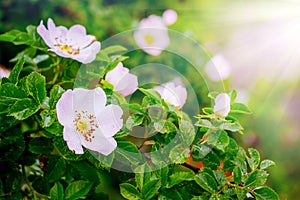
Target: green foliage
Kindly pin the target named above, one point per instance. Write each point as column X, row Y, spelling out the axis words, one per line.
column 174, row 157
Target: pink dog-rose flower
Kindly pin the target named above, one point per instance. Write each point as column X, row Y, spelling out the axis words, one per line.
column 70, row 43
column 124, row 82
column 218, row 68
column 173, row 92
column 222, row 105
column 152, row 35
column 88, row 121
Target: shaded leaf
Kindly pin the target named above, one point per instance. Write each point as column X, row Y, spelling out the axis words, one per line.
column 23, row 109
column 129, row 191
column 40, row 145
column 78, row 189
column 15, row 72
column 265, row 193
column 206, row 182
column 266, row 164
column 57, row 192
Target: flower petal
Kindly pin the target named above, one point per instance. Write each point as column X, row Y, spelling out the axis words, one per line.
column 89, row 53
column 51, row 25
column 218, row 68
column 44, row 33
column 110, row 120
column 222, row 104
column 129, row 83
column 89, row 100
column 72, row 139
column 169, row 17
column 64, row 108
column 103, row 145
column 114, row 75
column 76, row 30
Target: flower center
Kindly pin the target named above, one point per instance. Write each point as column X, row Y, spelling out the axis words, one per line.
column 149, row 39
column 62, row 45
column 85, row 124
column 82, row 125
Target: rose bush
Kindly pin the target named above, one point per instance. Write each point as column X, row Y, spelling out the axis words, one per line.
column 69, row 121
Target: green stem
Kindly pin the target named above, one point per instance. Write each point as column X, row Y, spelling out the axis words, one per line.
column 32, row 191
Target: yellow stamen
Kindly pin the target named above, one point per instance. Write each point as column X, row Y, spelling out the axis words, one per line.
column 149, row 39
column 82, row 126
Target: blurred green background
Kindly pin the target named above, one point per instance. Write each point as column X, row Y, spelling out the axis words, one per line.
column 259, row 39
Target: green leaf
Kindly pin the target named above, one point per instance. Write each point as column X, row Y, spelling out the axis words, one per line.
column 17, row 37
column 200, row 151
column 237, row 175
column 23, row 109
column 187, row 132
column 265, row 193
column 65, row 152
column 40, row 145
column 178, row 154
column 207, row 111
column 55, row 169
column 234, row 127
column 266, row 164
column 213, row 94
column 233, row 95
column 128, row 153
column 9, row 93
column 220, row 177
column 134, row 120
column 57, row 192
column 207, row 182
column 219, row 139
column 48, row 118
column 142, row 175
column 114, row 49
column 15, row 72
column 9, row 36
column 204, row 123
column 55, row 128
column 164, row 126
column 240, row 108
column 241, row 193
column 150, row 189
column 85, row 170
column 134, row 106
column 200, row 198
column 256, row 178
column 162, row 174
column 180, row 176
column 78, row 189
column 254, row 159
column 36, row 87
column 169, row 194
column 55, row 95
column 102, row 56
column 101, row 161
column 129, row 191
column 40, row 58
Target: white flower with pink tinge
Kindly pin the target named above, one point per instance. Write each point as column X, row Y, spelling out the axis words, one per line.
column 70, row 43
column 218, row 68
column 173, row 92
column 222, row 105
column 152, row 33
column 87, row 121
column 124, row 82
